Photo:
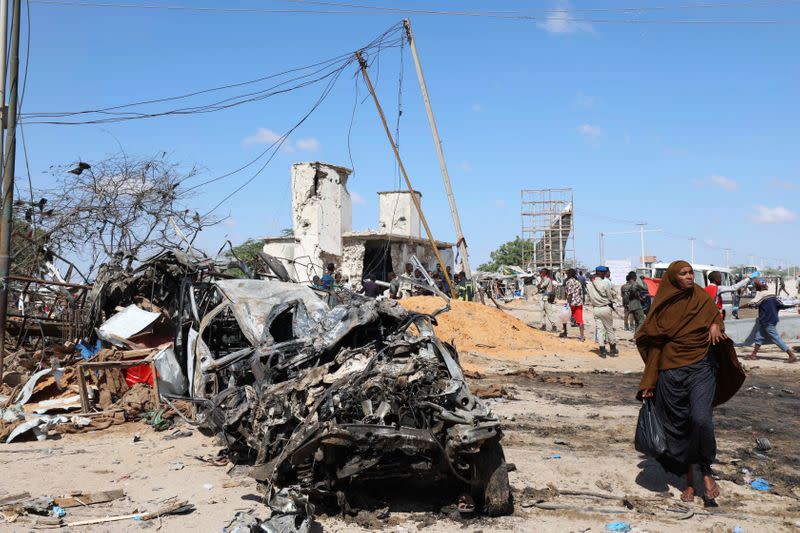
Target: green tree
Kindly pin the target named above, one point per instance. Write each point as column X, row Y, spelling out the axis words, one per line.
column 247, row 252
column 509, row 253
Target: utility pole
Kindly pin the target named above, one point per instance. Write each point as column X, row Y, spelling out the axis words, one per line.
column 414, row 198
column 641, row 231
column 602, row 249
column 641, row 239
column 727, row 257
column 691, row 241
column 460, row 242
column 3, row 63
column 8, row 178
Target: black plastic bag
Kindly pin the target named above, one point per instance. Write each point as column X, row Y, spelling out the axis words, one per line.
column 650, row 437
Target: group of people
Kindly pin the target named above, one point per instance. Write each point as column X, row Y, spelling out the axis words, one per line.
column 330, row 280
column 412, row 282
column 596, row 291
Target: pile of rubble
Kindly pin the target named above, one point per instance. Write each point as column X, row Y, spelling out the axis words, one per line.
column 485, row 329
column 318, row 396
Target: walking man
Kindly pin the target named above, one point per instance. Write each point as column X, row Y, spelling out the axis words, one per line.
column 602, row 298
column 781, row 284
column 633, row 290
column 766, row 330
column 716, row 289
column 547, row 292
column 574, row 292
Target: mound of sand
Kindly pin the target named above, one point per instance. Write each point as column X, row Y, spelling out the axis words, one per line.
column 474, row 327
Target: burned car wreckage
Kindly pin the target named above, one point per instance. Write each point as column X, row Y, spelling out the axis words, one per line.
column 318, row 393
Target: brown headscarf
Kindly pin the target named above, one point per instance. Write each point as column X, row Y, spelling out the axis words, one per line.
column 675, row 334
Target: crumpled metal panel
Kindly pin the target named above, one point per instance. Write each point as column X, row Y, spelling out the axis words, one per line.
column 252, row 300
column 125, row 324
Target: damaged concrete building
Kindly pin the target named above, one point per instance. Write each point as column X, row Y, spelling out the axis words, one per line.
column 323, row 230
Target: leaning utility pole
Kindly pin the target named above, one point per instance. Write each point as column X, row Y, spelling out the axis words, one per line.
column 414, row 198
column 3, row 62
column 461, row 243
column 10, row 123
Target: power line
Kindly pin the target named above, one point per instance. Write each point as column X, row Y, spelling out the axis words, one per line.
column 226, row 103
column 308, row 75
column 365, row 10
column 375, row 44
column 277, row 144
column 187, row 95
column 558, row 10
column 600, row 216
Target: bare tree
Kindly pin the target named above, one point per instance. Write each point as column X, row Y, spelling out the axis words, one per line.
column 120, row 208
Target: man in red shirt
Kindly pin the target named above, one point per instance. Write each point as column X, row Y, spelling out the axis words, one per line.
column 715, row 289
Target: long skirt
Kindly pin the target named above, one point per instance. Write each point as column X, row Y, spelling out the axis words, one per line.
column 684, row 401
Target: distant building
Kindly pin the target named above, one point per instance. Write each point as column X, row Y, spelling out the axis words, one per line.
column 323, row 230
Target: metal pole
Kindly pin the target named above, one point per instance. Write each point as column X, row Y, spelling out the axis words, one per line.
column 691, row 241
column 727, row 257
column 8, row 180
column 460, row 242
column 403, row 171
column 641, row 239
column 3, row 65
column 602, row 251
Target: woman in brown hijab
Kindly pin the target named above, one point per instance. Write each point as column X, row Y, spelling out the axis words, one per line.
column 690, row 367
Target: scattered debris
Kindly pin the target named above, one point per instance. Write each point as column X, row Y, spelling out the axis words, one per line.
column 84, row 499
column 568, row 381
column 763, row 444
column 494, row 391
column 604, row 485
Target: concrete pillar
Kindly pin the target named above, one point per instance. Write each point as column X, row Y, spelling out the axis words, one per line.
column 321, row 209
column 398, row 215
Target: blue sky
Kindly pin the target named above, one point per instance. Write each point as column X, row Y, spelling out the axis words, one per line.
column 691, row 128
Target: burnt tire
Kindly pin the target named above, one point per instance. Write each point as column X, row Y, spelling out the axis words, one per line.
column 492, row 491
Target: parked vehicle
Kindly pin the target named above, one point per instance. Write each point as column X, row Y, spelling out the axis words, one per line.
column 701, row 272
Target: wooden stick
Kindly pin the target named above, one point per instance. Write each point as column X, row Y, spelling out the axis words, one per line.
column 101, row 520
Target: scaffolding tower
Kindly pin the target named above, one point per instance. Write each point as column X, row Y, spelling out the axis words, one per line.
column 548, row 231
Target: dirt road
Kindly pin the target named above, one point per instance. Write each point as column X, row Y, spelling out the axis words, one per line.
column 569, row 419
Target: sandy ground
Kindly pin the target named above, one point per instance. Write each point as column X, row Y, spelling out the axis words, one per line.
column 573, row 404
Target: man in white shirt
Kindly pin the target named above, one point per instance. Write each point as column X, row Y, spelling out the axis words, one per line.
column 602, row 297
column 546, row 288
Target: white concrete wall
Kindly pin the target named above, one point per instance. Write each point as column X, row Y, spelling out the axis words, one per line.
column 398, row 215
column 321, row 209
